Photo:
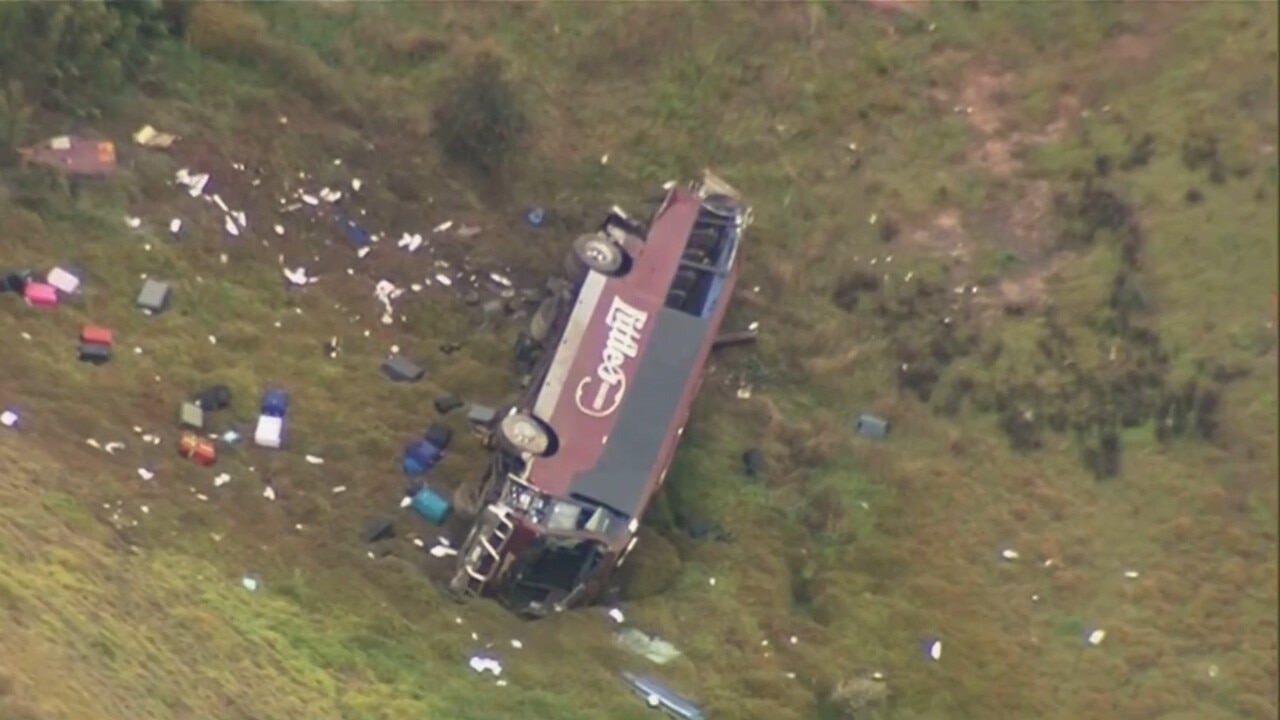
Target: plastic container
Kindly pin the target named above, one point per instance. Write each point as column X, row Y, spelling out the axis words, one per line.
column 431, row 506
column 275, row 403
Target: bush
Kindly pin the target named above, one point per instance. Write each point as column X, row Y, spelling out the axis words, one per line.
column 75, row 57
column 481, row 120
column 14, row 118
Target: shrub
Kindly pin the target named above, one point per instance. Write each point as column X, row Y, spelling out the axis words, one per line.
column 75, row 57
column 481, row 120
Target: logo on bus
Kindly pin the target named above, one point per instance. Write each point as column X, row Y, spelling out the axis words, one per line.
column 599, row 395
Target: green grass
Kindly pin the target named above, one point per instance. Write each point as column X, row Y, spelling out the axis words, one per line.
column 859, row 549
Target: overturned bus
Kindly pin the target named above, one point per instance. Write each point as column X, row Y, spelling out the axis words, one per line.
column 622, row 349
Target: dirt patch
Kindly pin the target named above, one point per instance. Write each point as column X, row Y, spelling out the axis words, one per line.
column 1129, row 47
column 982, row 97
column 944, row 236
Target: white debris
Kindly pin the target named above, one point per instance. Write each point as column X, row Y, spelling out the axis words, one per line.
column 411, row 242
column 502, row 280
column 133, row 222
column 221, row 479
column 363, row 251
column 754, row 326
column 711, row 582
column 440, row 551
column 444, row 280
column 194, row 183
column 935, row 650
column 9, row 419
column 249, row 583
column 93, row 443
column 1097, row 636
column 310, row 199
column 145, row 510
column 330, row 196
column 269, row 493
column 356, row 184
column 1131, row 574
column 279, row 230
column 112, row 447
column 241, row 219
column 516, row 644
column 442, row 226
column 339, row 489
column 315, row 460
column 617, row 615
column 230, row 224
column 418, row 542
column 145, row 474
column 793, row 640
column 483, row 665
column 298, row 276
column 217, row 200
column 213, row 340
column 1009, row 554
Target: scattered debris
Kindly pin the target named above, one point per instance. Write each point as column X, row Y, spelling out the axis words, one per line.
column 422, row 454
column 659, row 696
column 401, row 369
column 481, row 416
column 65, row 281
column 74, row 155
column 871, row 426
column 378, row 530
column 933, row 649
column 616, row 614
column 9, row 418
column 95, row 334
column 40, row 294
column 446, row 404
column 15, row 280
column 214, row 397
column 1009, row 554
column 431, row 506
column 221, row 479
column 154, row 296
column 650, row 647
column 442, row 551
column 269, row 432
column 147, row 136
column 193, row 447
column 1096, row 637
column 191, row 415
column 251, row 582
column 314, row 459
column 485, row 663
column 298, row 276
column 95, row 353
column 332, row 347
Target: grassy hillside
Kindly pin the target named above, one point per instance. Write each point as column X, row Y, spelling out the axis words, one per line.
column 1040, row 238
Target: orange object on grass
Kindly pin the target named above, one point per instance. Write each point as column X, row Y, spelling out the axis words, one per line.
column 198, row 449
